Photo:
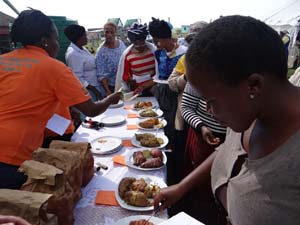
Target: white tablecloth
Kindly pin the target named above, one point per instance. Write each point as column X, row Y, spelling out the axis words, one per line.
column 86, row 212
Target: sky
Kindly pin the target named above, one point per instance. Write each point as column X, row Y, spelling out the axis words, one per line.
column 94, row 13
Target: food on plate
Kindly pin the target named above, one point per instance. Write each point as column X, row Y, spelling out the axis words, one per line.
column 136, row 198
column 148, row 158
column 148, row 113
column 142, row 105
column 152, row 163
column 151, row 123
column 138, row 158
column 137, row 192
column 125, row 185
column 139, row 137
column 140, row 222
column 149, row 140
column 138, row 185
column 102, row 140
column 156, row 153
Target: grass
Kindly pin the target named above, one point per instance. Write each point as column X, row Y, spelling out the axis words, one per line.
column 290, row 72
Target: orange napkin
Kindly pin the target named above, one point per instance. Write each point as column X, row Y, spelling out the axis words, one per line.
column 128, row 107
column 132, row 127
column 127, row 143
column 120, row 159
column 106, row 198
column 132, row 115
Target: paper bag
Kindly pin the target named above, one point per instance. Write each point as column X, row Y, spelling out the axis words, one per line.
column 67, row 161
column 86, row 156
column 28, row 205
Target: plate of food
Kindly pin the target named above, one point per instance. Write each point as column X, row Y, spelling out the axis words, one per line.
column 110, row 121
column 117, row 105
column 106, row 145
column 152, row 123
column 147, row 159
column 150, row 140
column 136, row 193
column 140, row 105
column 146, row 113
column 139, row 220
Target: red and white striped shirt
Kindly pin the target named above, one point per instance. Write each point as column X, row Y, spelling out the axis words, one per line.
column 139, row 64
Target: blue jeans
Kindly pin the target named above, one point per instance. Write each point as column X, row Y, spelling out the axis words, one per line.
column 10, row 177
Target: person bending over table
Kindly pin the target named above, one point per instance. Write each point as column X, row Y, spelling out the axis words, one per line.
column 33, row 83
column 137, row 63
column 255, row 172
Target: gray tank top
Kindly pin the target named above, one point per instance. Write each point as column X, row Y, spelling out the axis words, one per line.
column 267, row 190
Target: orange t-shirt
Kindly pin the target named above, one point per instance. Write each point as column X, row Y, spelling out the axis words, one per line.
column 32, row 84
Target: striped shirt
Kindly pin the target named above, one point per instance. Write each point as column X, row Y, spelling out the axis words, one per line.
column 139, row 64
column 194, row 111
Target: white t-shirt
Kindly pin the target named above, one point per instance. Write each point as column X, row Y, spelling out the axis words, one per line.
column 83, row 65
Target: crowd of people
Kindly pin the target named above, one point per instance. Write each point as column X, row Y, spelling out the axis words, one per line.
column 232, row 115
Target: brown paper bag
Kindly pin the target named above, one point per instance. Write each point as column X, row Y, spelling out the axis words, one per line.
column 68, row 161
column 28, row 205
column 86, row 156
column 62, row 201
column 67, row 189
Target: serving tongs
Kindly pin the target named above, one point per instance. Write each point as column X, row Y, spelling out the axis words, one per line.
column 155, row 212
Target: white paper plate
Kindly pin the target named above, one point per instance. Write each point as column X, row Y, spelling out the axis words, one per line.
column 106, row 145
column 159, row 135
column 129, row 161
column 149, row 179
column 119, row 104
column 113, row 120
column 127, row 220
column 159, row 113
column 161, row 81
column 164, row 123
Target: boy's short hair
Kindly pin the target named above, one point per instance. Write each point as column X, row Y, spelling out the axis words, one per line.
column 234, row 47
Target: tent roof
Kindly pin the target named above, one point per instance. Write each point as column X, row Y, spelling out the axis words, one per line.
column 290, row 14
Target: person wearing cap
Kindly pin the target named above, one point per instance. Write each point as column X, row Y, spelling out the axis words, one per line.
column 137, row 64
column 286, row 41
column 81, row 61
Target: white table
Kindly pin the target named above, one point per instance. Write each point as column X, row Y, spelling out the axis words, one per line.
column 86, row 212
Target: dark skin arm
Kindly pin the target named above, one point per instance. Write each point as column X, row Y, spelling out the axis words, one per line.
column 144, row 86
column 208, row 136
column 90, row 108
column 105, row 85
column 95, row 91
column 170, row 195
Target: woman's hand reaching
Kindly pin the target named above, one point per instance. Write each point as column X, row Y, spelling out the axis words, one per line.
column 168, row 196
column 209, row 137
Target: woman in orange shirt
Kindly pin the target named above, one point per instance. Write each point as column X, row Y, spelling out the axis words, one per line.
column 32, row 85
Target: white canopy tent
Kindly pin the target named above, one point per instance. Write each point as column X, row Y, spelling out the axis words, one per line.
column 288, row 18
